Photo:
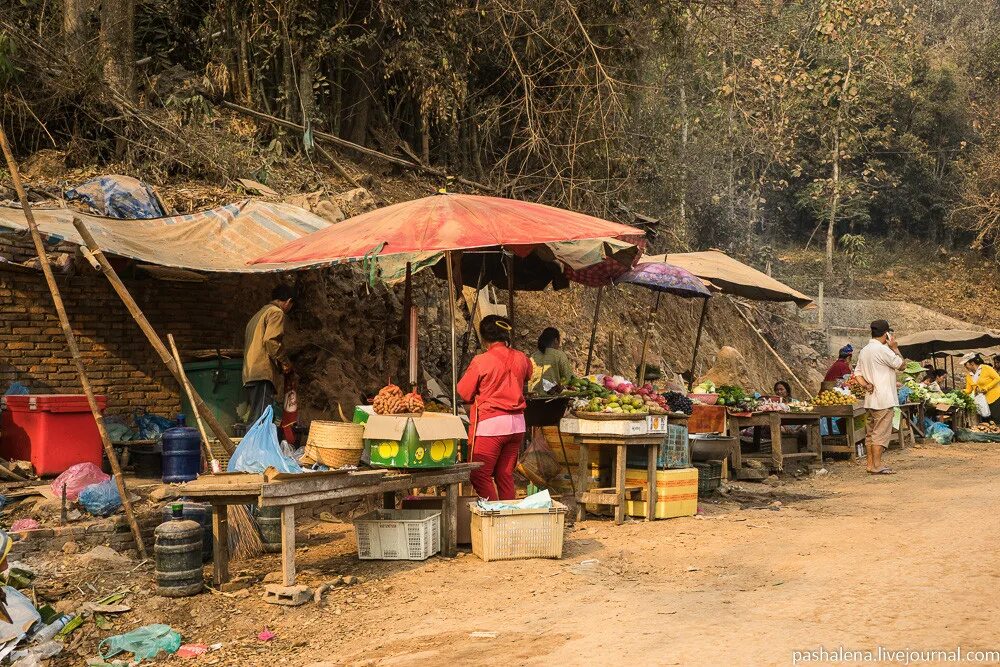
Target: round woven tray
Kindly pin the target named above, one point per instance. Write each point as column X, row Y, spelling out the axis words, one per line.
column 610, row 416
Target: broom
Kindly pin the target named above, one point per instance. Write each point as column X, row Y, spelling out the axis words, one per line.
column 244, row 538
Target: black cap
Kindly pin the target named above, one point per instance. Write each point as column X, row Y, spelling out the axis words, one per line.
column 880, row 328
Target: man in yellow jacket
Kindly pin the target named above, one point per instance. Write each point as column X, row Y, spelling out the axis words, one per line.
column 264, row 358
column 983, row 379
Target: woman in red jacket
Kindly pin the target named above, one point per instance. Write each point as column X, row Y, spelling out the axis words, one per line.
column 494, row 383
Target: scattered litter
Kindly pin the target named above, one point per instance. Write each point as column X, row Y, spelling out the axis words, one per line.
column 266, row 635
column 24, row 524
column 692, row 568
column 32, row 657
column 822, row 471
column 76, row 478
column 101, row 499
column 145, row 642
column 479, row 634
column 192, row 650
column 585, row 566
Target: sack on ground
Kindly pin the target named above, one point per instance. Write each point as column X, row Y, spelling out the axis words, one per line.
column 101, row 499
column 76, row 478
column 940, row 433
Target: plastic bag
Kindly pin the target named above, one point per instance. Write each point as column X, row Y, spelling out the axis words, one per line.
column 101, row 499
column 940, row 433
column 537, row 463
column 22, row 613
column 77, row 478
column 151, row 427
column 16, row 389
column 259, row 449
column 982, row 406
column 145, row 642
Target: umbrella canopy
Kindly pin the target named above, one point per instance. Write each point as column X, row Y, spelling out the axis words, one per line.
column 419, row 232
column 664, row 277
column 733, row 277
column 923, row 344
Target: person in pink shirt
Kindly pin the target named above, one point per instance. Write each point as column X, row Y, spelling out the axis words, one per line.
column 494, row 384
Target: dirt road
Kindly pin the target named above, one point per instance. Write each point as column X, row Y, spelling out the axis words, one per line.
column 905, row 562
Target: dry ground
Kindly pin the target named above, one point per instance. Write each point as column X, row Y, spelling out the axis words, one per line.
column 907, row 561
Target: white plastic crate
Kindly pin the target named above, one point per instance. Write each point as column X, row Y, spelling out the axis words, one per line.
column 398, row 534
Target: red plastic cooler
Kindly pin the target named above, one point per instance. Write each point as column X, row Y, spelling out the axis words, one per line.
column 53, row 431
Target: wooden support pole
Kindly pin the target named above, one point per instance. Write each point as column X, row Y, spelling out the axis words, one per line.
column 74, row 350
column 697, row 343
column 510, row 295
column 454, row 343
column 151, row 335
column 641, row 379
column 773, row 352
column 593, row 330
column 346, row 175
column 186, row 385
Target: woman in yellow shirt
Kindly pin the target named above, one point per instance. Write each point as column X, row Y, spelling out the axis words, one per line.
column 983, row 379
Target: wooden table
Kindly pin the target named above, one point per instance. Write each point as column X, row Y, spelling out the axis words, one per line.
column 911, row 412
column 619, row 494
column 290, row 490
column 774, row 421
column 854, row 425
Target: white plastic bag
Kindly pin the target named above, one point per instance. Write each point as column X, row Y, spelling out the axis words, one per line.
column 982, row 407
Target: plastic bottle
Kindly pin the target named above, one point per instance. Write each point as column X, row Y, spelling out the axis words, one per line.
column 180, row 419
column 51, row 630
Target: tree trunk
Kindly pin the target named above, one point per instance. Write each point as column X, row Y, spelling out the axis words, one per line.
column 834, row 201
column 73, row 25
column 682, row 212
column 425, row 139
column 117, row 41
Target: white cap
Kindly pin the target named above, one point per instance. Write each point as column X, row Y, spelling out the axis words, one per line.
column 969, row 357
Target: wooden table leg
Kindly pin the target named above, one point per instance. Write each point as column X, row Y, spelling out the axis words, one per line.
column 583, row 482
column 620, row 484
column 652, row 494
column 220, row 544
column 449, row 521
column 288, row 545
column 815, row 441
column 777, row 456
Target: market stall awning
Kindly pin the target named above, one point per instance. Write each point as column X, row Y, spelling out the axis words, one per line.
column 419, row 232
column 924, row 344
column 221, row 240
column 733, row 277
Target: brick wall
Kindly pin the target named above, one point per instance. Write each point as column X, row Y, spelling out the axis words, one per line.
column 119, row 359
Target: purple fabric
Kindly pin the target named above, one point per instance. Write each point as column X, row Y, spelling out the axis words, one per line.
column 663, row 277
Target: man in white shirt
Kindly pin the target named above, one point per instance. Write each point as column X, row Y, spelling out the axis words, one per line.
column 877, row 366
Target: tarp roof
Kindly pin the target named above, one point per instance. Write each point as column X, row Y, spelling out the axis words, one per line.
column 733, row 277
column 221, row 240
column 924, row 343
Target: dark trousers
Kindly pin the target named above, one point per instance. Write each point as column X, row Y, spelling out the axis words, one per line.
column 260, row 394
column 995, row 411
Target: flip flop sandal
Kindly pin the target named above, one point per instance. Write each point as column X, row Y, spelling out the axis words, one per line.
column 882, row 471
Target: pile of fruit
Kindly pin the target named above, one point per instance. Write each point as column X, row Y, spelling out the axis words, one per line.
column 985, row 427
column 619, row 404
column 730, row 395
column 832, row 397
column 772, row 406
column 618, row 395
column 853, row 385
column 391, row 400
column 587, row 389
column 800, row 406
column 434, row 406
column 678, row 402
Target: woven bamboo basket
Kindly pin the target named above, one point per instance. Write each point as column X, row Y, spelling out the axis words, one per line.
column 334, row 444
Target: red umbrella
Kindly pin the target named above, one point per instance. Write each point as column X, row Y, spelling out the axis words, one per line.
column 447, row 222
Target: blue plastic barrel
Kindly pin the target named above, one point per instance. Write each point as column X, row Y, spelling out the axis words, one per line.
column 181, row 454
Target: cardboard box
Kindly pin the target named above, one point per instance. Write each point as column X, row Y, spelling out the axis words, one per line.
column 437, row 503
column 576, row 425
column 429, row 441
column 676, row 493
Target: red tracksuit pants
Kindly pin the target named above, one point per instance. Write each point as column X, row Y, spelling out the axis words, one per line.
column 494, row 480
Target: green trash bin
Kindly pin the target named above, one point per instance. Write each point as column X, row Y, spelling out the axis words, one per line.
column 219, row 382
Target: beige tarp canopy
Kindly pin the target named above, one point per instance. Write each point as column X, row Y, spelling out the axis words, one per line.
column 732, row 277
column 924, row 344
column 220, row 240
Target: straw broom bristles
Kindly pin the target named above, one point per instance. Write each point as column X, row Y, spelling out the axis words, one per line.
column 244, row 537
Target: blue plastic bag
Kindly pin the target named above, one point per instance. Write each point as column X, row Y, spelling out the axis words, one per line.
column 144, row 643
column 940, row 433
column 259, row 449
column 16, row 389
column 101, row 499
column 151, row 427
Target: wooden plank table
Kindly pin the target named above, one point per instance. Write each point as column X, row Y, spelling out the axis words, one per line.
column 854, row 426
column 619, row 494
column 774, row 421
column 287, row 491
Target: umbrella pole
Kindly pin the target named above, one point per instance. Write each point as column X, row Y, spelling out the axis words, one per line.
column 454, row 346
column 697, row 342
column 645, row 340
column 593, row 330
column 510, row 295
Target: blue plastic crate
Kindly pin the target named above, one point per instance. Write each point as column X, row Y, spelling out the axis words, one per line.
column 675, row 452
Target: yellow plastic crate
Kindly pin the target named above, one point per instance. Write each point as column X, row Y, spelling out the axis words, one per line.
column 513, row 534
column 676, row 493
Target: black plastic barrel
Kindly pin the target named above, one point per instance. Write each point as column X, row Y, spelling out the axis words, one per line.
column 269, row 523
column 181, row 454
column 146, row 462
column 201, row 513
column 178, row 556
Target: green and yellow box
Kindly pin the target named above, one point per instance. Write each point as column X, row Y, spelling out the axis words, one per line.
column 405, row 441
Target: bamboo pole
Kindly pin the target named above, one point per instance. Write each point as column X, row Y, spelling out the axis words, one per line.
column 697, row 342
column 774, row 352
column 641, row 380
column 510, row 295
column 186, row 384
column 74, row 350
column 454, row 343
column 593, row 330
column 151, row 335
